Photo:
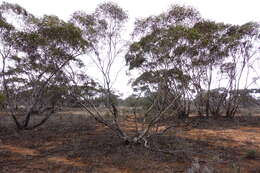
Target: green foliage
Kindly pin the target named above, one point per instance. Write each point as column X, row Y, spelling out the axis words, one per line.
column 177, row 53
column 5, row 25
column 17, row 9
column 179, row 57
column 176, row 15
column 37, row 59
column 2, row 98
column 245, row 98
column 111, row 10
column 251, row 154
column 134, row 101
column 105, row 23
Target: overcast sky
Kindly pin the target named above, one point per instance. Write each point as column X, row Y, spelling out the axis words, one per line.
column 227, row 11
column 230, row 11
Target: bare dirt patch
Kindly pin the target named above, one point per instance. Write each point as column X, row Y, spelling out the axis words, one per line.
column 77, row 144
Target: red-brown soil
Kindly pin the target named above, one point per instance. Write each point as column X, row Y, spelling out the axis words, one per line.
column 74, row 143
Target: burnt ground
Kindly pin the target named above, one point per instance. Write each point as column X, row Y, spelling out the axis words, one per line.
column 74, row 143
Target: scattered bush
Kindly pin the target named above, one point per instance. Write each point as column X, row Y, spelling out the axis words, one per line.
column 251, row 154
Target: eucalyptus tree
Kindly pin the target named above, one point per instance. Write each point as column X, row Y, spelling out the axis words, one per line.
column 5, row 30
column 179, row 60
column 36, row 53
column 224, row 51
column 160, row 54
column 104, row 29
column 240, row 67
column 210, row 52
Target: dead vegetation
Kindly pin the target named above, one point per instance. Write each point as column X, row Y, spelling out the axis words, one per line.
column 76, row 143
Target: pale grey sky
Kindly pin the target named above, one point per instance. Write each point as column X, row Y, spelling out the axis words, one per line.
column 230, row 11
column 227, row 11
